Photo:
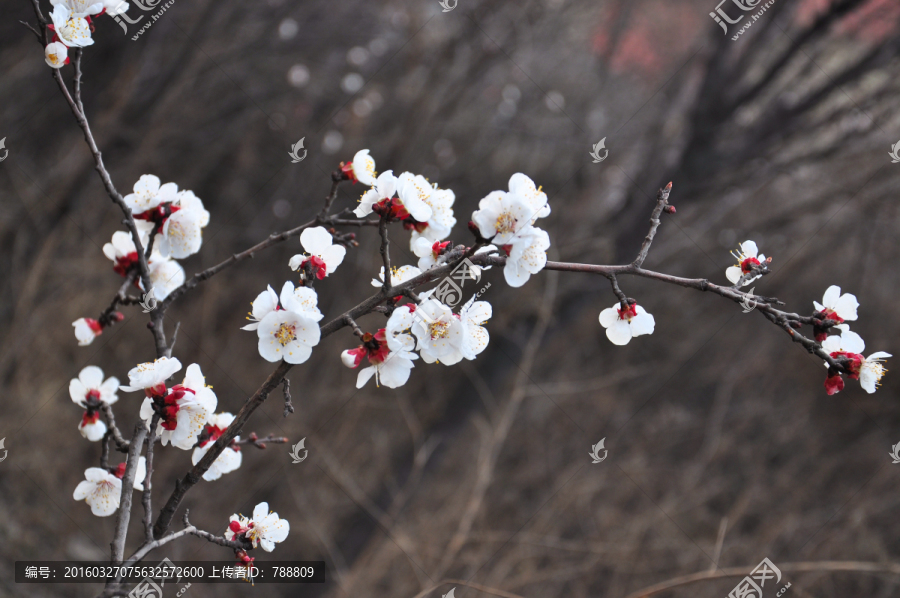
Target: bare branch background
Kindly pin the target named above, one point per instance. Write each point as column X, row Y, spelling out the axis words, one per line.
column 480, row 474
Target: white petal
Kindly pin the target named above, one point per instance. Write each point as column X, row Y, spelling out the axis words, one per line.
column 643, row 323
column 749, row 249
column 831, row 296
column 619, row 333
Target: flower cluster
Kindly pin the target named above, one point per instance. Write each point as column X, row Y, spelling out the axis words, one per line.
column 506, row 219
column 847, row 346
column 73, row 25
column 172, row 222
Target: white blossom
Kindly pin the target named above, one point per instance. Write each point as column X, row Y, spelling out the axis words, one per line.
column 183, row 411
column 56, row 55
column 229, row 460
column 439, row 333
column 834, row 304
column 320, row 248
column 264, row 304
column 523, row 188
column 182, row 232
column 389, row 351
column 872, row 370
column 398, row 275
column 81, row 8
column 292, row 331
column 526, row 255
column 441, row 221
column 747, row 257
column 115, row 7
column 86, row 330
column 414, row 190
column 264, row 529
column 90, row 392
column 384, row 188
column 363, row 168
column 623, row 325
column 102, row 490
column 148, row 194
column 72, row 30
column 151, row 377
column 475, row 337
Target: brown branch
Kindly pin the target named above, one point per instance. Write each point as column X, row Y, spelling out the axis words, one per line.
column 286, row 391
column 243, row 544
column 124, row 513
column 121, row 444
column 385, row 250
column 260, row 443
column 148, row 511
column 662, row 203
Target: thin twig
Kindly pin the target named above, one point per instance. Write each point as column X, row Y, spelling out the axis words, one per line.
column 385, row 254
column 286, row 391
column 121, row 444
column 148, row 511
column 124, row 512
column 662, row 201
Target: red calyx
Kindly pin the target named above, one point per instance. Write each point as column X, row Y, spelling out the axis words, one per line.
column 856, row 361
column 438, row 248
column 374, row 347
column 159, row 214
column 318, row 266
column 119, row 471
column 211, row 434
column 168, row 408
column 748, row 264
column 627, row 314
column 411, row 223
column 391, row 209
column 347, row 172
column 94, row 325
column 834, row 384
column 506, row 249
column 90, row 417
column 125, row 263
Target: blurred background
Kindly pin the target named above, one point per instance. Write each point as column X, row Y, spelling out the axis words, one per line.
column 723, row 446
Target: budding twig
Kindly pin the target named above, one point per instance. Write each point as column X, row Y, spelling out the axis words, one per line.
column 286, row 390
column 662, row 201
